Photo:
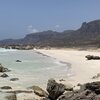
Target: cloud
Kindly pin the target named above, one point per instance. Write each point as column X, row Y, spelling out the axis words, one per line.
column 57, row 26
column 34, row 30
column 31, row 29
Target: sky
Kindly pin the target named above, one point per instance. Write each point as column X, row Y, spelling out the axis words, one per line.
column 21, row 17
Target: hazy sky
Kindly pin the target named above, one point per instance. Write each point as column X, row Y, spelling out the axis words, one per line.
column 20, row 17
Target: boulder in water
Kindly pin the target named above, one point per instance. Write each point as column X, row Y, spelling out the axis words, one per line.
column 2, row 69
column 14, row 79
column 6, row 87
column 4, row 75
column 18, row 61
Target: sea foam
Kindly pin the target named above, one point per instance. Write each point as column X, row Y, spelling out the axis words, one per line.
column 7, row 50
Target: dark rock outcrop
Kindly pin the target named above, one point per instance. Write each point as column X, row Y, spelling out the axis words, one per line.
column 14, row 79
column 18, row 61
column 94, row 86
column 84, row 95
column 55, row 89
column 91, row 57
column 6, row 87
column 3, row 69
column 88, row 91
column 4, row 75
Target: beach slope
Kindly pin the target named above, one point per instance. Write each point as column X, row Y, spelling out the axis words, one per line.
column 82, row 70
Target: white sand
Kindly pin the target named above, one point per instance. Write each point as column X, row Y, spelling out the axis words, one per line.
column 27, row 96
column 83, row 70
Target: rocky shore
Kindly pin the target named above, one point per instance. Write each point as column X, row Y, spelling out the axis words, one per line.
column 57, row 91
column 54, row 90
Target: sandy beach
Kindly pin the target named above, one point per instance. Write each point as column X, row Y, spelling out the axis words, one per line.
column 82, row 70
column 78, row 70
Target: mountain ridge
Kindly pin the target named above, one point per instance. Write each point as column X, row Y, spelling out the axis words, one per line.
column 87, row 35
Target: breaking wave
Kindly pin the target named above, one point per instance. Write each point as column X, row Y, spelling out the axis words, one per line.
column 7, row 50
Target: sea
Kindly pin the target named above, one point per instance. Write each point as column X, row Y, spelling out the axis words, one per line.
column 34, row 69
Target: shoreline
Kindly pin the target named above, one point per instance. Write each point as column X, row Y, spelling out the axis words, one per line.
column 26, row 91
column 78, row 69
column 66, row 64
column 82, row 70
column 13, row 72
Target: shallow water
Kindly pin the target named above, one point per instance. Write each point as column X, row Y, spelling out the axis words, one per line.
column 35, row 69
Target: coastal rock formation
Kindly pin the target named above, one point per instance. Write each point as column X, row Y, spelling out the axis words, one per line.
column 94, row 86
column 6, row 87
column 55, row 89
column 4, row 75
column 91, row 57
column 96, row 76
column 88, row 91
column 2, row 69
column 18, row 61
column 84, row 95
column 14, row 79
column 39, row 91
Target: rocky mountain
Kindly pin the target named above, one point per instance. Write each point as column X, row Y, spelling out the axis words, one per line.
column 87, row 35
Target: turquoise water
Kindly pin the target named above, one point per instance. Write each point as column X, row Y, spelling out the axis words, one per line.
column 35, row 69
